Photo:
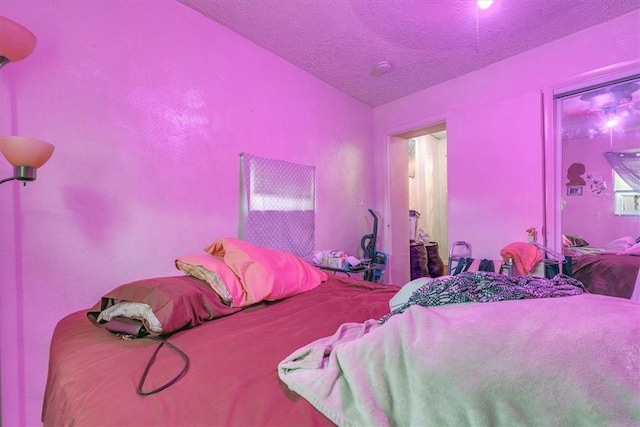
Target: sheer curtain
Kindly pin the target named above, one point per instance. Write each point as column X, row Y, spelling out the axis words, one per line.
column 428, row 189
column 277, row 204
column 627, row 166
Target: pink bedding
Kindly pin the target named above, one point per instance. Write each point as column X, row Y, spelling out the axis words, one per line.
column 232, row 379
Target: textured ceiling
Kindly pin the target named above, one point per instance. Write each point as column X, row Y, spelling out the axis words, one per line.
column 426, row 41
column 586, row 114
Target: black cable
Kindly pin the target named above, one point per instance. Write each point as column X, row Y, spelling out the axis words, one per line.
column 169, row 383
column 8, row 179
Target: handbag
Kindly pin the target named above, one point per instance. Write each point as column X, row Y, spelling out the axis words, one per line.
column 126, row 326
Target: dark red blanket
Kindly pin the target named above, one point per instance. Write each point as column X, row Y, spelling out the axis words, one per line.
column 607, row 274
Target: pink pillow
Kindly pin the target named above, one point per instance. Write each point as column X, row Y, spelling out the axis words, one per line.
column 264, row 273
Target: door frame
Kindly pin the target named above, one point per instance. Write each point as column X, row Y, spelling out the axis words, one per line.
column 553, row 176
column 396, row 207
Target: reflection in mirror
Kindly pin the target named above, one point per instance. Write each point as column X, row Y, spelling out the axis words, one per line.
column 601, row 162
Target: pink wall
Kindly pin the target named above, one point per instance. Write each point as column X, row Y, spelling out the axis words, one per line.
column 466, row 103
column 149, row 105
column 591, row 215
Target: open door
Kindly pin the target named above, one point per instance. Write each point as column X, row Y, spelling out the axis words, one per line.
column 399, row 210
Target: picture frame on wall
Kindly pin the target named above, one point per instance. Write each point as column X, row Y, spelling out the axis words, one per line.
column 574, row 190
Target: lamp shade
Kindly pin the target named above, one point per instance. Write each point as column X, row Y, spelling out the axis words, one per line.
column 16, row 42
column 21, row 151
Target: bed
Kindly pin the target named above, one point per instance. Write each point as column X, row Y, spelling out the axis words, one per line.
column 613, row 269
column 351, row 352
column 232, row 378
column 541, row 362
column 609, row 274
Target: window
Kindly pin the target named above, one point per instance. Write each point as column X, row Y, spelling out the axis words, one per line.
column 627, row 200
column 277, row 204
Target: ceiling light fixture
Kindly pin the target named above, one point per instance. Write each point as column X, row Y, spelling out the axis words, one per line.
column 484, row 4
column 611, row 123
column 611, row 99
column 382, row 67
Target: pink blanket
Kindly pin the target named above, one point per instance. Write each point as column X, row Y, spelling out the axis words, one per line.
column 524, row 255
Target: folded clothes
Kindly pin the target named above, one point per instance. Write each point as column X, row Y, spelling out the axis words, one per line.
column 525, row 256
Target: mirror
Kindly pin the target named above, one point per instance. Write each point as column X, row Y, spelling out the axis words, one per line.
column 600, row 128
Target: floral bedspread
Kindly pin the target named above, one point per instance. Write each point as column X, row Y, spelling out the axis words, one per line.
column 482, row 286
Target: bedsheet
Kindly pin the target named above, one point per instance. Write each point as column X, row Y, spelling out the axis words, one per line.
column 232, row 379
column 541, row 362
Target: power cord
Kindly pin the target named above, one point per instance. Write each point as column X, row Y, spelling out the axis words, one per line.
column 128, row 329
column 169, row 383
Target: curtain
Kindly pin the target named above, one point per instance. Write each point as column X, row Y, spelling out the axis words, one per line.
column 428, row 190
column 627, row 166
column 277, row 204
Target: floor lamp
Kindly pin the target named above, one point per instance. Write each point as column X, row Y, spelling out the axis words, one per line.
column 25, row 154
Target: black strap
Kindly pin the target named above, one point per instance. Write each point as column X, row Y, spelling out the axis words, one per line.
column 169, row 383
column 461, row 263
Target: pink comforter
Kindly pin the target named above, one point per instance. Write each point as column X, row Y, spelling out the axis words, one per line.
column 233, row 376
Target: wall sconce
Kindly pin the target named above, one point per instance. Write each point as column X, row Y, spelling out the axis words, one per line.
column 25, row 154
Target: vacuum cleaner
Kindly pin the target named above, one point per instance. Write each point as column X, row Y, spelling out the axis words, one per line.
column 368, row 245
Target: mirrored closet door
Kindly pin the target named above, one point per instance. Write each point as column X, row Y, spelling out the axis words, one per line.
column 600, row 165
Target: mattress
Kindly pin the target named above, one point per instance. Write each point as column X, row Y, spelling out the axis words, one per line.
column 232, row 377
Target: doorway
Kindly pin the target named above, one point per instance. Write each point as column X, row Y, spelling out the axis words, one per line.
column 428, row 162
column 428, row 189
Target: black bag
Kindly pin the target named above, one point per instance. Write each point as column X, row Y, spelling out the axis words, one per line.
column 126, row 326
column 552, row 267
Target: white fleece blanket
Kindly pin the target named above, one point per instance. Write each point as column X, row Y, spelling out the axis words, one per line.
column 565, row 361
